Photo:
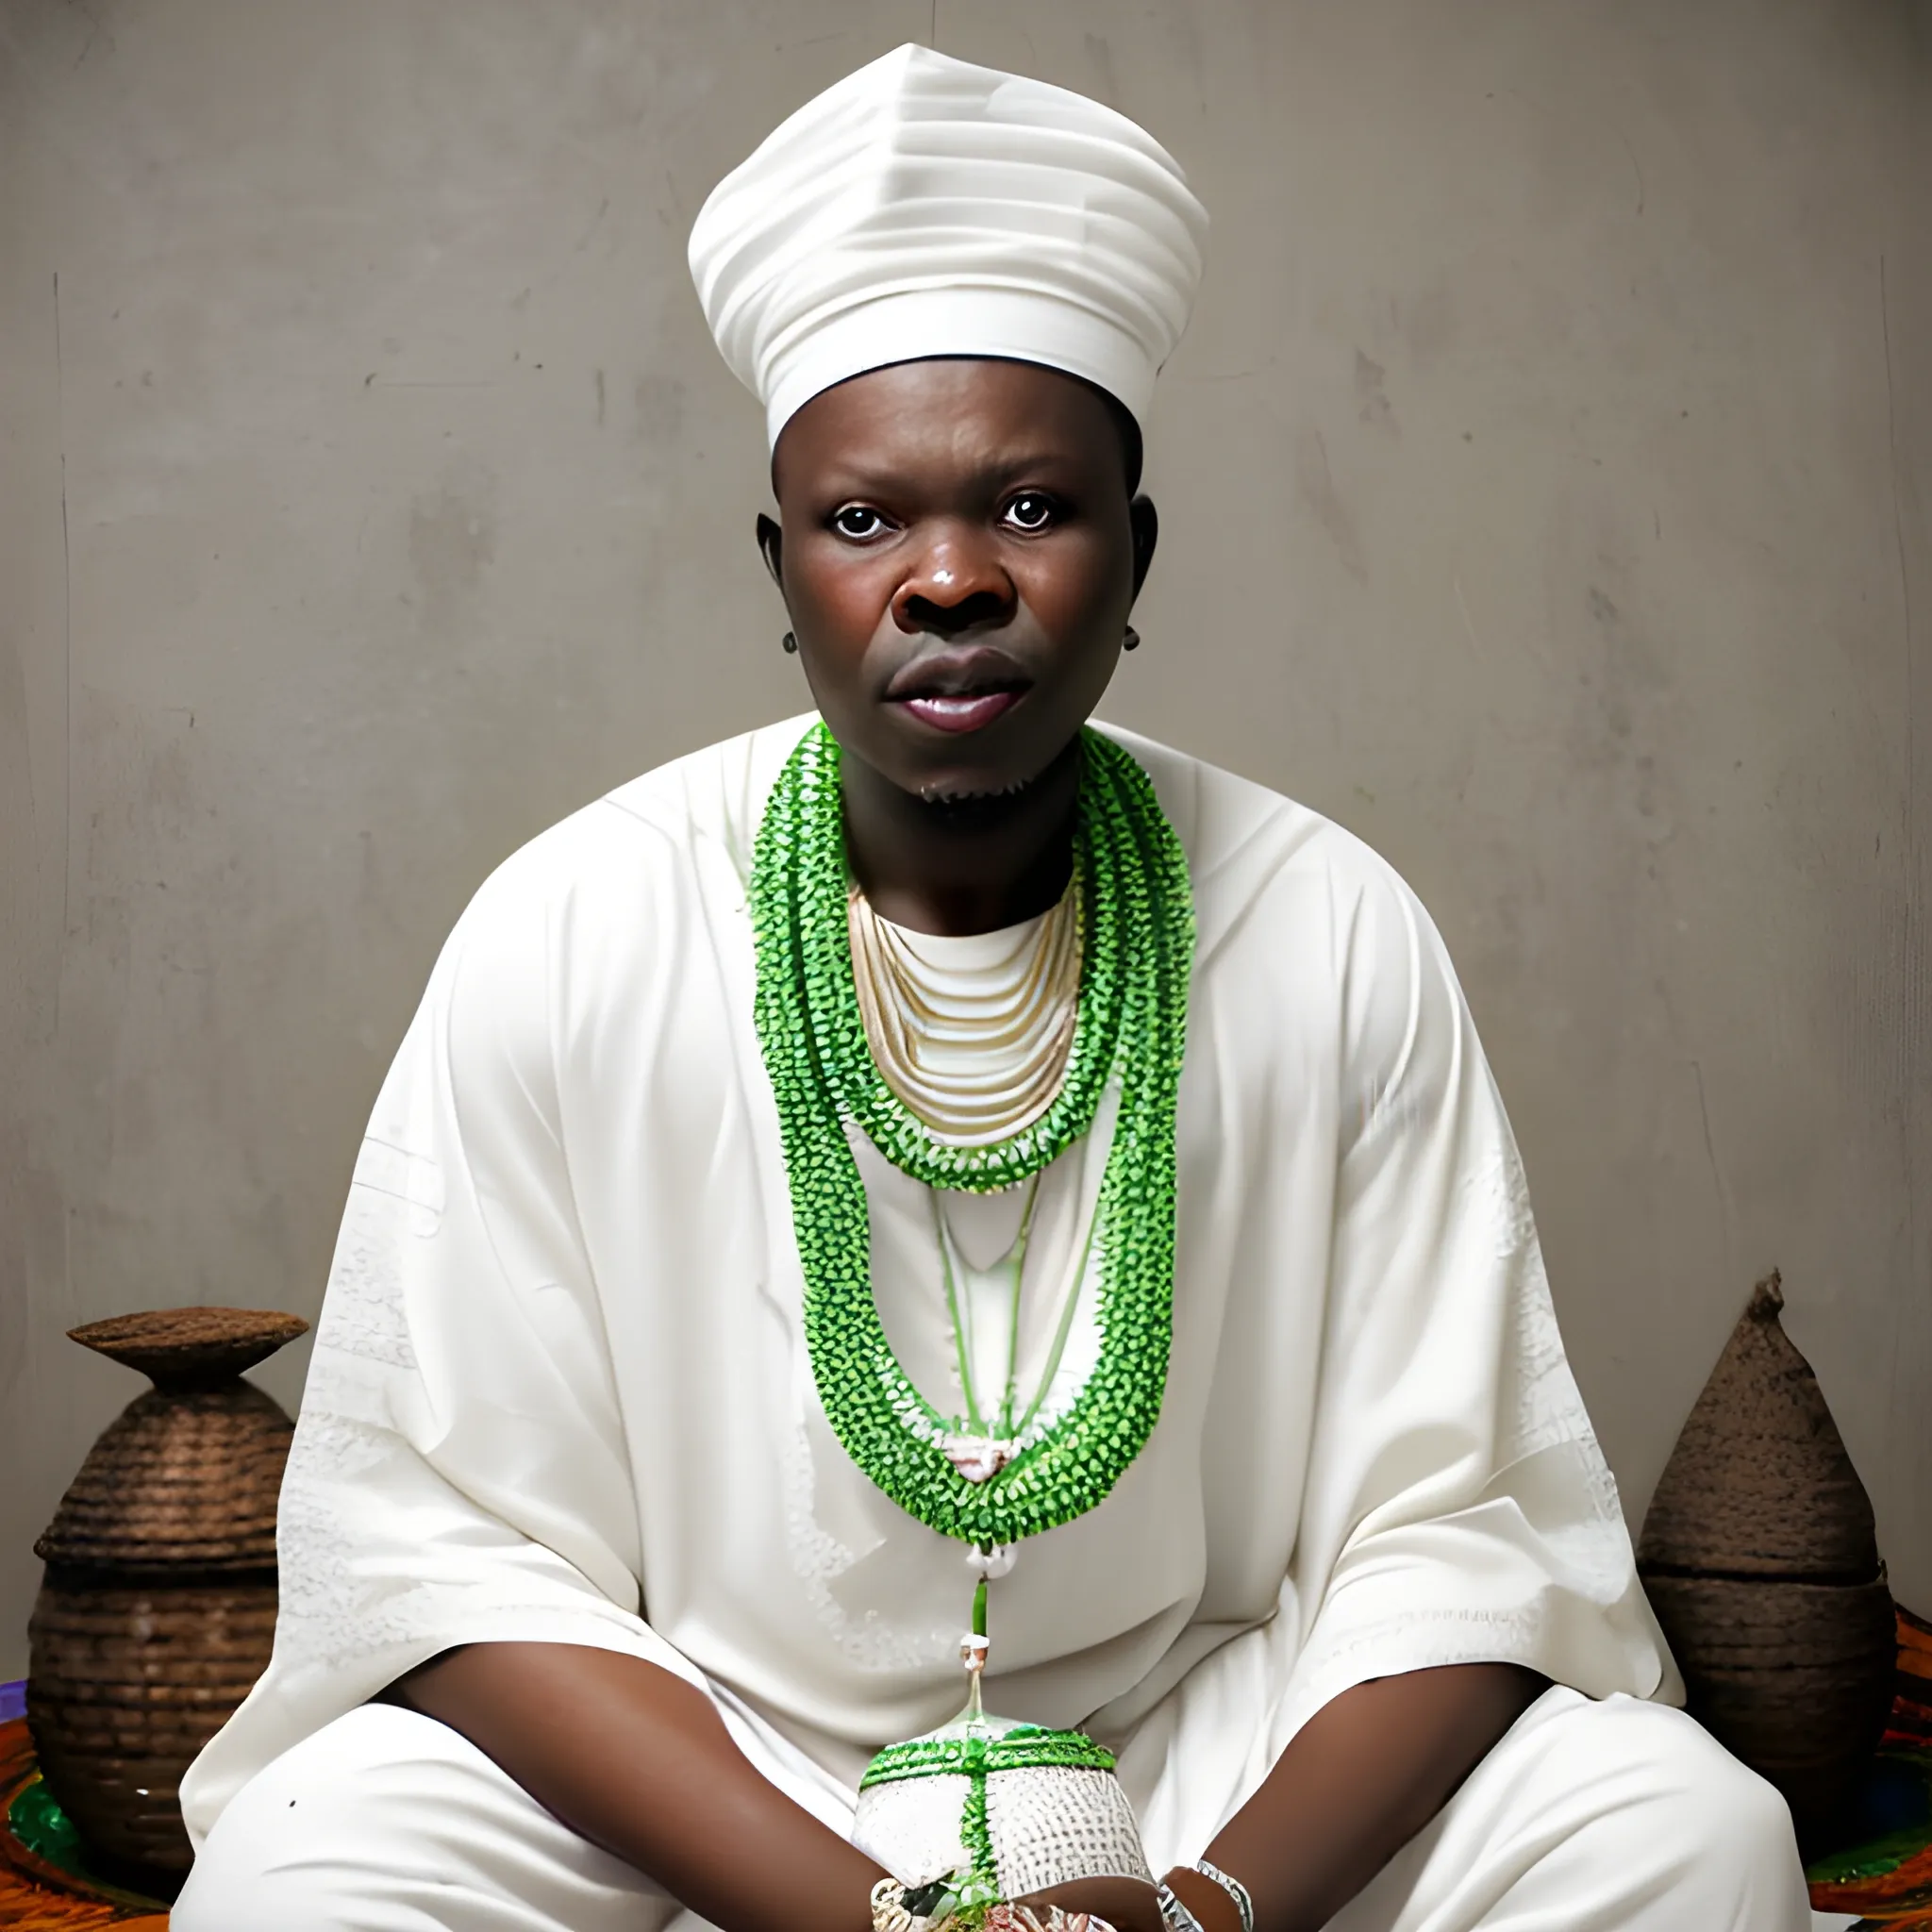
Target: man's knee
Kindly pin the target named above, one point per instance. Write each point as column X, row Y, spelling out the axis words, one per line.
column 1750, row 1812
column 386, row 1821
column 221, row 1898
column 1713, row 1819
column 280, row 1835
column 1743, row 1825
column 272, row 1859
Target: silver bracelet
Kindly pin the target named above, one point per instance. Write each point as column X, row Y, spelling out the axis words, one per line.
column 1174, row 1914
column 1234, row 1889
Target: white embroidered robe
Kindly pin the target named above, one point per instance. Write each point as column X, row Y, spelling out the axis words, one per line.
column 559, row 1390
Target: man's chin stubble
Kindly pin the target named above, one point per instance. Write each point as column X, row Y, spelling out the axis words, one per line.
column 964, row 807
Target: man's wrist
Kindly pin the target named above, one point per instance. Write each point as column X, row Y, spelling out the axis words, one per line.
column 1242, row 1898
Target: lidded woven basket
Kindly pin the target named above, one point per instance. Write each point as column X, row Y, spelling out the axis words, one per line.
column 157, row 1613
column 998, row 1811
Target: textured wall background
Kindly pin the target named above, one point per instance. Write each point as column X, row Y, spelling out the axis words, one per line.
column 1545, row 487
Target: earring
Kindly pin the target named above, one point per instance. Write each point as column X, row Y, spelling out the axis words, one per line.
column 790, row 642
column 1132, row 641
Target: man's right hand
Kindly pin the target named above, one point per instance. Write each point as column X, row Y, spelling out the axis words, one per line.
column 1128, row 1905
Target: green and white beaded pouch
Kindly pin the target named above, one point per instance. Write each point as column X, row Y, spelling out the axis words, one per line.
column 984, row 1810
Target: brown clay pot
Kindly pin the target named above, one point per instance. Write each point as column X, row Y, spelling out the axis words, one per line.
column 1760, row 1561
column 157, row 1610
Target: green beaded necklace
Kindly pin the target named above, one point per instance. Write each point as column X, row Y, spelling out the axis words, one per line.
column 1130, row 1025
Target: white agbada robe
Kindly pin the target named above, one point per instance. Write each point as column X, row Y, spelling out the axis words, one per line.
column 560, row 1392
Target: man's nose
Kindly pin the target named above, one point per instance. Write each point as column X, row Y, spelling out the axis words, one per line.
column 958, row 585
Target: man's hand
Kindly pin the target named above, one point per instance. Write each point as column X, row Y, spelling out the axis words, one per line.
column 1208, row 1901
column 1128, row 1905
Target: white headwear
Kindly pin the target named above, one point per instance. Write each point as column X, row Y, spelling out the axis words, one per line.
column 924, row 206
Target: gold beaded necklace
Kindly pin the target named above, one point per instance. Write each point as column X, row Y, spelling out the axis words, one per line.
column 976, row 1047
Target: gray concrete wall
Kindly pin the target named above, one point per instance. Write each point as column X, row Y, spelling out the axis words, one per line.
column 1544, row 484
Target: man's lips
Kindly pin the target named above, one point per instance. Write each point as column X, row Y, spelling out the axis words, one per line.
column 960, row 689
column 967, row 712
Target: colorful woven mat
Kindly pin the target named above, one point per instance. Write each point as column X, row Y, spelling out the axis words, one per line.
column 1885, row 1871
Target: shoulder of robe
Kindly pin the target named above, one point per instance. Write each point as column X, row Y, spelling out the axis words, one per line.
column 1280, row 873
column 1289, row 900
column 611, row 860
column 581, row 911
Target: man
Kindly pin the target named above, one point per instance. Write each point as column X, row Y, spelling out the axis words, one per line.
column 862, row 1147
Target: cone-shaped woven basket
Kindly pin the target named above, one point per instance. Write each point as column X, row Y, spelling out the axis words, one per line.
column 1759, row 1557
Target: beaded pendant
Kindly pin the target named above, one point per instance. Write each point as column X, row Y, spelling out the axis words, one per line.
column 1130, row 1027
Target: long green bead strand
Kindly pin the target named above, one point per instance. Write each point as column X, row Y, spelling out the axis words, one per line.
column 1130, row 1025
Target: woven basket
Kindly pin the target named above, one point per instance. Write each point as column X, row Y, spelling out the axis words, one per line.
column 1759, row 1557
column 128, row 1682
column 157, row 1610
column 1794, row 1678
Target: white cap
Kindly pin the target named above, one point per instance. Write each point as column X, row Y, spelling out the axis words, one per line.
column 924, row 206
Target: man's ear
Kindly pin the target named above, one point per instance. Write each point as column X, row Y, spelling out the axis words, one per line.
column 771, row 548
column 1146, row 522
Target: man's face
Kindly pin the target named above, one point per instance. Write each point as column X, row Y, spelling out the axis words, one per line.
column 958, row 561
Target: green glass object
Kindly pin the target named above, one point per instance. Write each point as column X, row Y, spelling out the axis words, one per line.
column 38, row 1822
column 41, row 1827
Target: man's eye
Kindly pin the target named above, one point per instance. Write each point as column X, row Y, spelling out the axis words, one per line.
column 856, row 520
column 1031, row 510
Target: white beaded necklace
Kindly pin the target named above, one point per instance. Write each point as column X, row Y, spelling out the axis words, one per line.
column 973, row 1034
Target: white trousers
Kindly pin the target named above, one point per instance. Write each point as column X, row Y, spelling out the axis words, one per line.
column 1613, row 1817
